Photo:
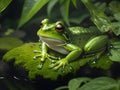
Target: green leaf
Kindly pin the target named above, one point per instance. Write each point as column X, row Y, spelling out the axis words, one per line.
column 98, row 17
column 30, row 8
column 117, row 16
column 74, row 84
column 101, row 5
column 74, row 2
column 51, row 4
column 4, row 4
column 7, row 43
column 79, row 19
column 116, row 45
column 114, row 6
column 115, row 51
column 115, row 55
column 101, row 83
column 65, row 10
column 116, row 29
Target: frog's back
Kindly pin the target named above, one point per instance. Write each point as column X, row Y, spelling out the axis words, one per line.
column 80, row 36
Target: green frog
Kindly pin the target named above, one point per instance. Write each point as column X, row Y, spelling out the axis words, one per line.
column 72, row 42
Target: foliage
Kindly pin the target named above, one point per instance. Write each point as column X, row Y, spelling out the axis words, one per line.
column 30, row 8
column 60, row 9
column 7, row 43
column 25, row 53
column 4, row 4
column 101, row 20
column 115, row 52
column 98, row 17
column 102, row 15
column 83, row 83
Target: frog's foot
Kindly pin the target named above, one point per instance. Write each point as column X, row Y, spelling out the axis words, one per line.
column 61, row 64
column 94, row 59
column 43, row 57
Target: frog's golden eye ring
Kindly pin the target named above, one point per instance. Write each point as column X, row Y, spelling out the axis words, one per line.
column 59, row 27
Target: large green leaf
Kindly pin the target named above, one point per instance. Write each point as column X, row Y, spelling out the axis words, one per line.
column 4, row 4
column 84, row 83
column 116, row 45
column 74, row 2
column 30, row 8
column 114, row 6
column 101, row 83
column 115, row 52
column 98, row 17
column 51, row 4
column 74, row 84
column 115, row 55
column 65, row 10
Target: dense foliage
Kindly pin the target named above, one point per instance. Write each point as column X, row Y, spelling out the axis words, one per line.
column 20, row 19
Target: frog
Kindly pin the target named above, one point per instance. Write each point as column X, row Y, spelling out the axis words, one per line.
column 72, row 42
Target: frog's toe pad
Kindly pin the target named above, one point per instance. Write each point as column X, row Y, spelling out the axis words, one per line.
column 60, row 64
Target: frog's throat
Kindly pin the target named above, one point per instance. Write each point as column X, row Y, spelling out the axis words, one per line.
column 54, row 44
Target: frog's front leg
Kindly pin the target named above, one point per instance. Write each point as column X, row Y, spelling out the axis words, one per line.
column 74, row 53
column 43, row 55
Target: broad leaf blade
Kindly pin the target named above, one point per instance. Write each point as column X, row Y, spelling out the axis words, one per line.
column 115, row 55
column 74, row 84
column 114, row 6
column 115, row 51
column 4, row 4
column 102, row 83
column 98, row 17
column 74, row 2
column 65, row 10
column 116, row 45
column 31, row 7
column 51, row 4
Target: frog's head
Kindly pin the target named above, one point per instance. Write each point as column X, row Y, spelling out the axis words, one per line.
column 54, row 32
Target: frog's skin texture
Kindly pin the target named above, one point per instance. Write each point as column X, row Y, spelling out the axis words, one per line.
column 71, row 42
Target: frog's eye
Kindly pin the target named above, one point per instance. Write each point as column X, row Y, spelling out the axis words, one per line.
column 59, row 27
